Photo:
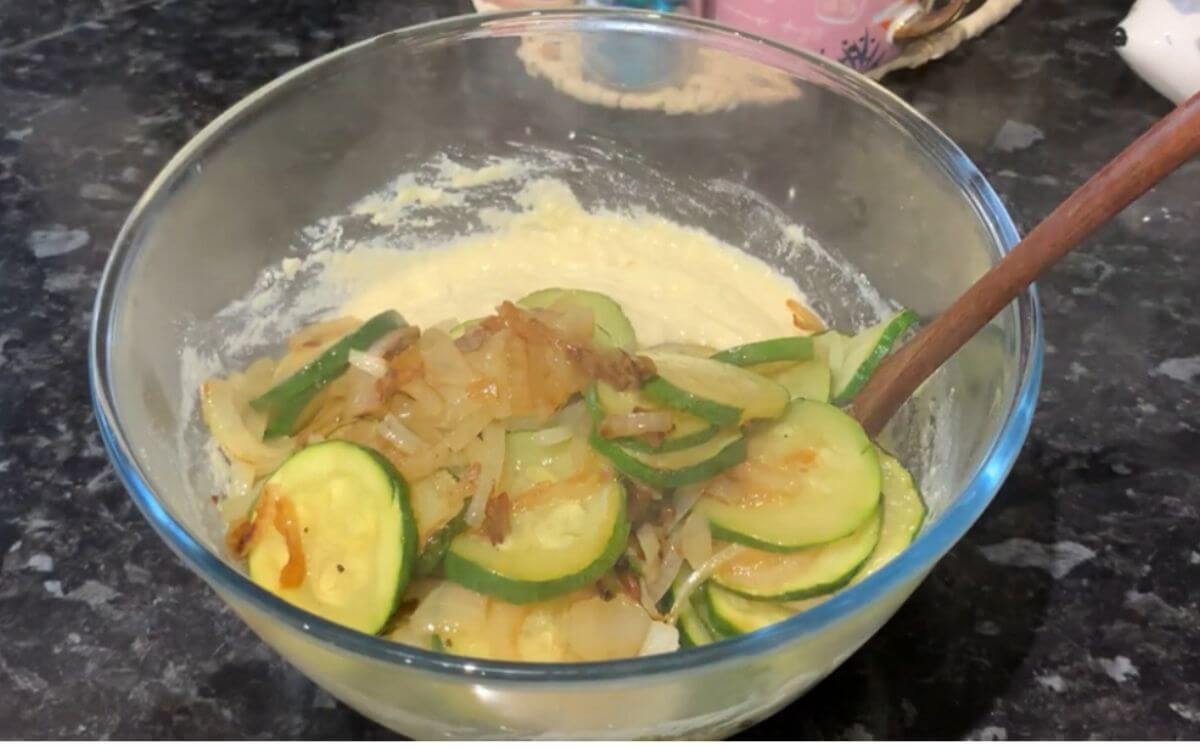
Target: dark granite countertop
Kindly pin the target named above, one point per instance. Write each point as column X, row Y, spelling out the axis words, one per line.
column 1068, row 611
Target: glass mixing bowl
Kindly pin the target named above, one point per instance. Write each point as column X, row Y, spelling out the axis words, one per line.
column 744, row 138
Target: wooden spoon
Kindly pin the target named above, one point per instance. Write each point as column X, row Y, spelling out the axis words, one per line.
column 1172, row 141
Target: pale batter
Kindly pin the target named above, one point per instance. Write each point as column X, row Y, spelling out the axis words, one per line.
column 674, row 283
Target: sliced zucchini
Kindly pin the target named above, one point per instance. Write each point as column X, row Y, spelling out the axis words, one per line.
column 733, row 615
column 283, row 403
column 688, row 430
column 693, row 631
column 613, row 329
column 854, row 358
column 903, row 514
column 699, row 603
column 345, row 510
column 567, row 527
column 788, row 349
column 716, row 392
column 676, row 398
column 429, row 561
column 529, row 460
column 677, row 468
column 820, row 569
column 826, row 482
column 809, row 380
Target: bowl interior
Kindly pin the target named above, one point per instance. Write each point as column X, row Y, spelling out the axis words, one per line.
column 790, row 158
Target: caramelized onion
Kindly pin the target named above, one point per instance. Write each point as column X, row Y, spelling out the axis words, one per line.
column 292, row 573
column 362, row 391
column 241, row 477
column 804, row 318
column 682, row 503
column 617, row 367
column 237, row 539
column 468, row 480
column 497, row 518
column 472, row 340
column 573, row 323
column 490, row 465
column 661, row 638
column 598, row 629
column 700, row 575
column 394, row 341
column 221, row 411
column 651, row 548
column 551, row 436
column 695, row 540
column 444, row 363
column 404, row 439
column 371, row 364
column 654, row 588
column 630, row 584
column 406, row 365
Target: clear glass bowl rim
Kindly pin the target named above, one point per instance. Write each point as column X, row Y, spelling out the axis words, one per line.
column 929, row 547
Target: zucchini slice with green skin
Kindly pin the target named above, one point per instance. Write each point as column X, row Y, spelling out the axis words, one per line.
column 284, row 402
column 688, row 430
column 817, row 570
column 676, row 398
column 826, row 485
column 788, row 349
column 613, row 329
column 716, row 392
column 854, row 358
column 733, row 615
column 530, row 461
column 349, row 510
column 693, row 631
column 532, row 564
column 677, row 468
column 904, row 513
column 811, row 380
column 686, row 434
column 429, row 562
column 556, row 543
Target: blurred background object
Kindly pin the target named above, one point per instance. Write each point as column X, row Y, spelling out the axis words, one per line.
column 871, row 36
column 630, row 72
column 1160, row 40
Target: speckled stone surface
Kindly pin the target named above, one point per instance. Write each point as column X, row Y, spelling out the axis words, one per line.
column 1068, row 611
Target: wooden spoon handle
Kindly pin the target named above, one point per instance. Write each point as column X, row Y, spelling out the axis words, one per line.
column 1172, row 141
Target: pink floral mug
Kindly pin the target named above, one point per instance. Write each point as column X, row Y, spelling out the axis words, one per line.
column 860, row 34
